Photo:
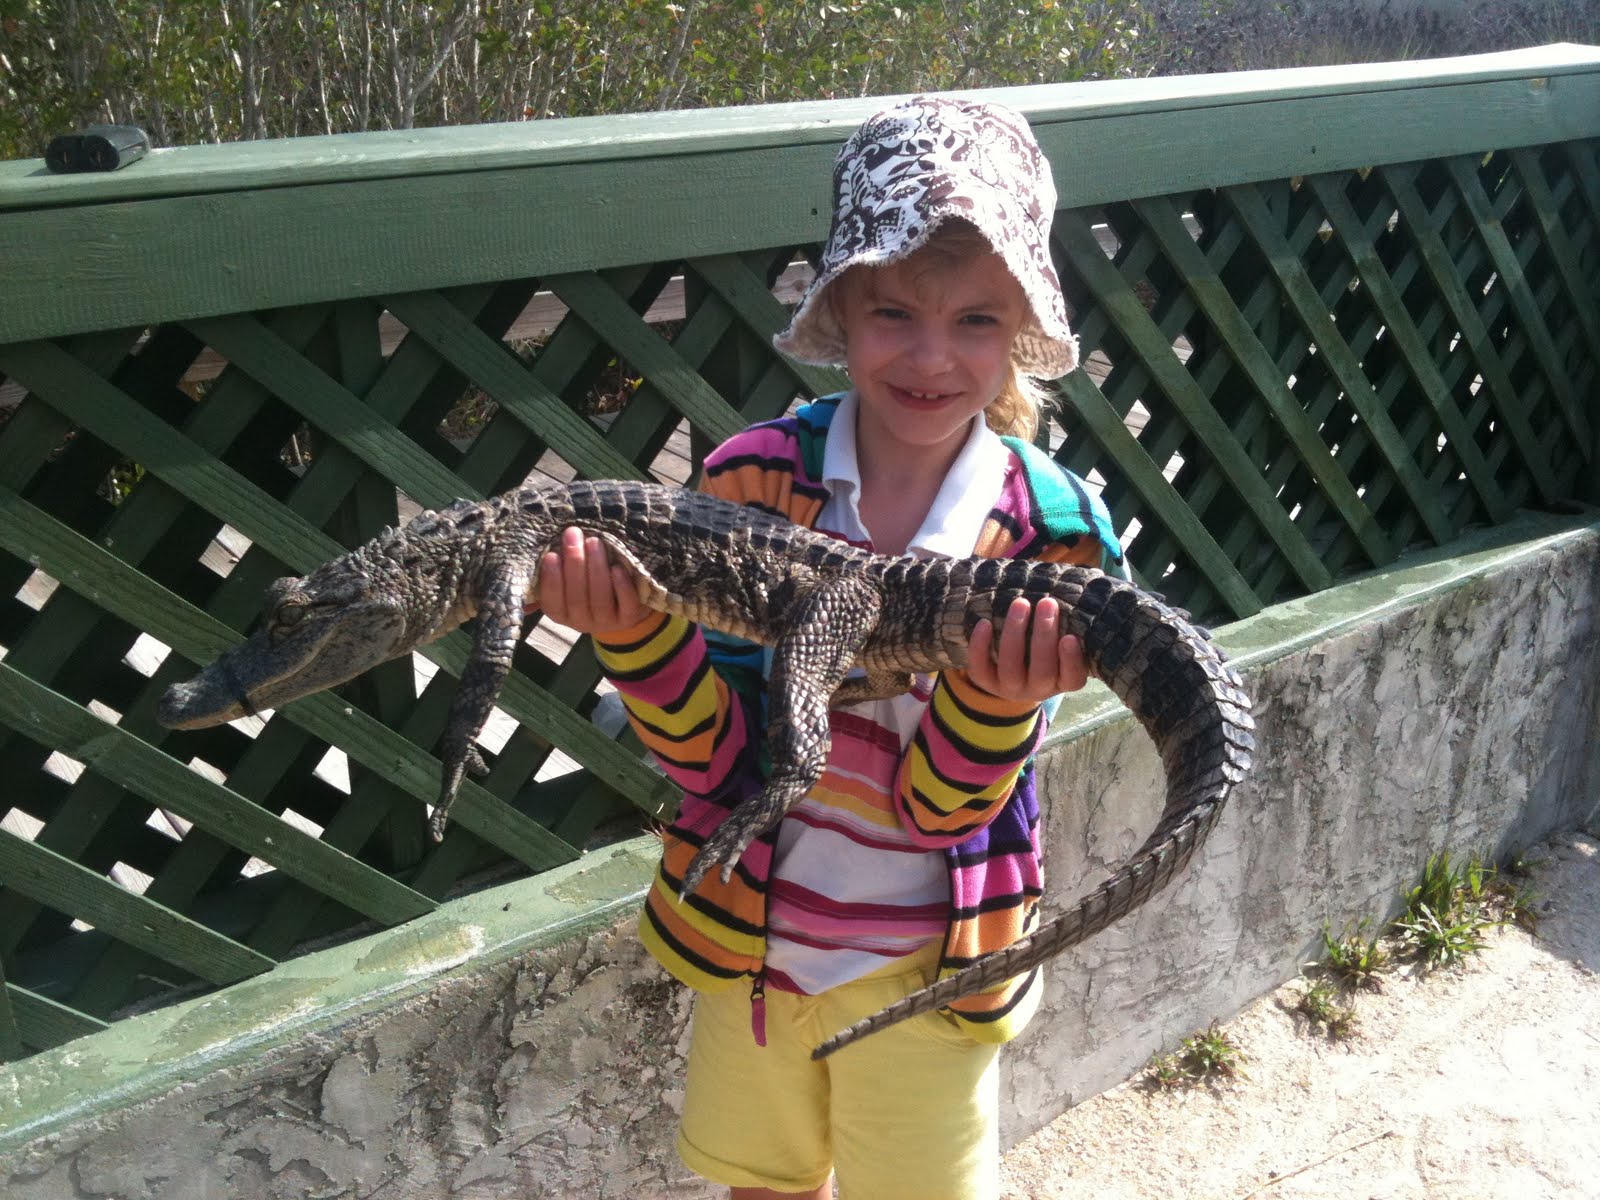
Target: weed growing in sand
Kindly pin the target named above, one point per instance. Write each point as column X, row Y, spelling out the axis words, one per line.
column 1449, row 913
column 1446, row 919
column 1205, row 1057
column 1441, row 941
column 1353, row 958
column 1515, row 897
column 1517, row 907
column 1321, row 1005
column 1443, row 882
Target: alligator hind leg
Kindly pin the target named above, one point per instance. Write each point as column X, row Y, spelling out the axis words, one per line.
column 826, row 628
column 874, row 685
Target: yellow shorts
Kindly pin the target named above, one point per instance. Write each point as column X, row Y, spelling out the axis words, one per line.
column 910, row 1112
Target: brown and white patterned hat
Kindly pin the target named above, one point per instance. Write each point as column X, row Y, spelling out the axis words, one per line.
column 900, row 176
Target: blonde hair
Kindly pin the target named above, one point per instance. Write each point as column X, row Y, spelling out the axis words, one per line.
column 1022, row 401
column 1020, row 407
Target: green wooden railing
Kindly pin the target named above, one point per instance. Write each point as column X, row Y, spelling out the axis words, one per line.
column 1328, row 315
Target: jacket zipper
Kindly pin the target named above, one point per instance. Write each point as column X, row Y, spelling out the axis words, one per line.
column 758, row 1007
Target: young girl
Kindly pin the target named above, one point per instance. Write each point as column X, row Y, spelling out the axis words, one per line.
column 918, row 850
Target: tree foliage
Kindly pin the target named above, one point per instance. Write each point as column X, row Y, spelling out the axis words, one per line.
column 1241, row 35
column 222, row 70
column 225, row 70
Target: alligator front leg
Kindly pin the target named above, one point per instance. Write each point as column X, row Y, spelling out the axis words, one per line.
column 826, row 629
column 499, row 628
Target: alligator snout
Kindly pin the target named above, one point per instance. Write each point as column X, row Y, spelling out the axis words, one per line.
column 201, row 702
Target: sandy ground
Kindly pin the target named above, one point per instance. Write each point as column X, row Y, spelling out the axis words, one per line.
column 1477, row 1082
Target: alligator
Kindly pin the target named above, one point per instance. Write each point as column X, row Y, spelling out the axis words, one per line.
column 825, row 608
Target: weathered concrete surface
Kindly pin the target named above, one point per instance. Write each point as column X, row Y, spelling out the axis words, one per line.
column 519, row 1043
column 1464, row 717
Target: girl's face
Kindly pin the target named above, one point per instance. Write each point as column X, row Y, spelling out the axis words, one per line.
column 928, row 344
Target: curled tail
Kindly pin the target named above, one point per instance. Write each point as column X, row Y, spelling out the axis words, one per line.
column 1194, row 707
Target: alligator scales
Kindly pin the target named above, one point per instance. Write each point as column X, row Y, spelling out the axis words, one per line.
column 824, row 607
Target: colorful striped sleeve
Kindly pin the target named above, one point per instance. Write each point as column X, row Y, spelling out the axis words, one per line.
column 694, row 697
column 963, row 760
column 971, row 746
column 682, row 709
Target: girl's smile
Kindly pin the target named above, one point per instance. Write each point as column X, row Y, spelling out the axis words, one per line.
column 928, row 342
column 918, row 399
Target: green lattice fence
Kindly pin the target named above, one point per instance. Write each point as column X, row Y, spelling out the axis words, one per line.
column 1329, row 315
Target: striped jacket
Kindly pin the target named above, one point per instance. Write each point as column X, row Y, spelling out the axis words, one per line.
column 965, row 786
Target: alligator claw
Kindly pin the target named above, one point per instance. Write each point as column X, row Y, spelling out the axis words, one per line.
column 723, row 848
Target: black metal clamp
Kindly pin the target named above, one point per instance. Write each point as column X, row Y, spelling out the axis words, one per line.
column 96, row 148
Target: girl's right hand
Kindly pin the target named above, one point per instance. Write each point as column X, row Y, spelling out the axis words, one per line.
column 1030, row 658
column 581, row 589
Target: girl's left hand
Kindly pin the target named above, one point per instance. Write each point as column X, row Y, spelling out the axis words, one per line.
column 581, row 588
column 1034, row 660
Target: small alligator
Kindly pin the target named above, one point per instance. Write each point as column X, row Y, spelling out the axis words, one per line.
column 823, row 606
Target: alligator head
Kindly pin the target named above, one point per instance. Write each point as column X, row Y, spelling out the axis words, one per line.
column 320, row 630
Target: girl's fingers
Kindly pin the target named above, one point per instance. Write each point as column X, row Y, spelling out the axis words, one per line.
column 599, row 594
column 630, row 609
column 574, row 573
column 581, row 588
column 565, row 588
column 552, row 589
column 1011, row 664
column 980, row 656
column 1072, row 670
column 1030, row 658
column 1044, row 636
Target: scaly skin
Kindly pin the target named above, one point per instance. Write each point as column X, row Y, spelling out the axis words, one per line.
column 823, row 606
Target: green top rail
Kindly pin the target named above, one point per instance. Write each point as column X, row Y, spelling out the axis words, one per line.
column 289, row 162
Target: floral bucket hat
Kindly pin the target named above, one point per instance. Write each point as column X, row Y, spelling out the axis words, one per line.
column 900, row 176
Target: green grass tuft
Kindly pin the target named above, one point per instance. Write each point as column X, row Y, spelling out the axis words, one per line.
column 1205, row 1057
column 1449, row 913
column 1354, row 958
column 1322, row 1005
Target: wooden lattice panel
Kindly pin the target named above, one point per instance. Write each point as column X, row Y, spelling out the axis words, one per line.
column 309, row 439
column 1304, row 377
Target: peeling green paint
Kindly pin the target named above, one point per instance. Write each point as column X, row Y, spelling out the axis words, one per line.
column 145, row 1055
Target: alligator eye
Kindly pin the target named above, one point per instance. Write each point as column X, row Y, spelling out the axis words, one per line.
column 284, row 620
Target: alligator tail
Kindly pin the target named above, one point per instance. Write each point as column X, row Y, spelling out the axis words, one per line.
column 1179, row 686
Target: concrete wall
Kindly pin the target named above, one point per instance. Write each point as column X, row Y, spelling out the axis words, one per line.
column 519, row 1043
